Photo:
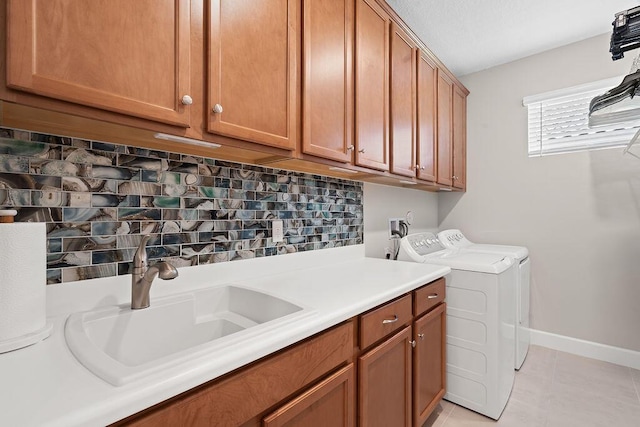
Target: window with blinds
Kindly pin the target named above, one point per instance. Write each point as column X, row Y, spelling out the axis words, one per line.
column 559, row 121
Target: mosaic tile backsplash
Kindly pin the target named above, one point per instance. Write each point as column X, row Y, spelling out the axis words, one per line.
column 99, row 198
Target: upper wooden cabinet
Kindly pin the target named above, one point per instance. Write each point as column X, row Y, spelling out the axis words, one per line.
column 444, row 129
column 403, row 103
column 131, row 57
column 427, row 85
column 372, row 85
column 253, row 70
column 309, row 85
column 452, row 129
column 459, row 138
column 327, row 98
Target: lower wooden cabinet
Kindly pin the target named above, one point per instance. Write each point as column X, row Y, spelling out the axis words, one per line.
column 429, row 362
column 385, row 383
column 385, row 367
column 245, row 397
column 329, row 403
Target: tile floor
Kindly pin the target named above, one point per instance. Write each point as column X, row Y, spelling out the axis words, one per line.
column 557, row 389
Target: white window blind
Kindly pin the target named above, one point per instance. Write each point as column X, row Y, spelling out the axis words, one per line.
column 559, row 121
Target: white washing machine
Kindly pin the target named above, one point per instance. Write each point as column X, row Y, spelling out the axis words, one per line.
column 480, row 322
column 455, row 239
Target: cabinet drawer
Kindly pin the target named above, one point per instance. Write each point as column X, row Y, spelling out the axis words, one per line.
column 429, row 296
column 384, row 320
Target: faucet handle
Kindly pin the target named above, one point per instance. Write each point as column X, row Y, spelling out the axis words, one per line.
column 140, row 257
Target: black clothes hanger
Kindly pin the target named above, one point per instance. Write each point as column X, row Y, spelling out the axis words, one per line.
column 626, row 32
column 627, row 89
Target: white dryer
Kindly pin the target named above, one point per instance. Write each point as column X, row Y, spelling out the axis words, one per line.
column 480, row 322
column 455, row 239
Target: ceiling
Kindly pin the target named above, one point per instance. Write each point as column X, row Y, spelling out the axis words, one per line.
column 473, row 35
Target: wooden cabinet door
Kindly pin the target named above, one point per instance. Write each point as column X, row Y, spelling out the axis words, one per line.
column 427, row 84
column 445, row 129
column 403, row 103
column 131, row 57
column 429, row 361
column 459, row 138
column 329, row 403
column 327, row 110
column 372, row 85
column 253, row 70
column 385, row 383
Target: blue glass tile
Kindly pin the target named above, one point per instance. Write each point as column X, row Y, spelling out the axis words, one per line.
column 54, row 245
column 105, row 146
column 150, row 176
column 166, row 202
column 89, row 272
column 214, row 192
column 54, row 276
column 14, row 164
column 138, row 214
column 188, row 214
column 22, row 148
column 244, row 214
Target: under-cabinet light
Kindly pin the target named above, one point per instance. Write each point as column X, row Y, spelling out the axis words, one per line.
column 444, row 189
column 337, row 169
column 402, row 181
column 184, row 140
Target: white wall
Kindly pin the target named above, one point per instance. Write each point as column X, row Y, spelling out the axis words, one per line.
column 383, row 202
column 579, row 214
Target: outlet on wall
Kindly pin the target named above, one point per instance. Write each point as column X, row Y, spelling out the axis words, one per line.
column 277, row 232
column 394, row 225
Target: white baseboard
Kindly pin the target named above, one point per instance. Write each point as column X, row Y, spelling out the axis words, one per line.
column 593, row 350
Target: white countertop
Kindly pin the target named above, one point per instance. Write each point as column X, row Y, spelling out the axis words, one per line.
column 45, row 385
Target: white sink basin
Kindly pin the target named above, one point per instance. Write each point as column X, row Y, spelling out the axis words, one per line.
column 121, row 345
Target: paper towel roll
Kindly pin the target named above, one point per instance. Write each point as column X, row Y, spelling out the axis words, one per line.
column 22, row 285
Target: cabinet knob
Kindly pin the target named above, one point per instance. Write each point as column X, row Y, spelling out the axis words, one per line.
column 350, row 148
column 421, row 336
column 187, row 100
column 417, row 167
column 361, row 150
column 217, row 109
column 413, row 343
column 421, row 168
column 454, row 177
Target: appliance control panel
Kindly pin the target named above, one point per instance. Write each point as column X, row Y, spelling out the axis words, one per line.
column 422, row 244
column 453, row 239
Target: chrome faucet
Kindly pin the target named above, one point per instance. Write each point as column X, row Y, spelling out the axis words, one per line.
column 143, row 275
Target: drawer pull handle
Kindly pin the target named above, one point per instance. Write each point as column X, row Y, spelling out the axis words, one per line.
column 432, row 296
column 394, row 320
